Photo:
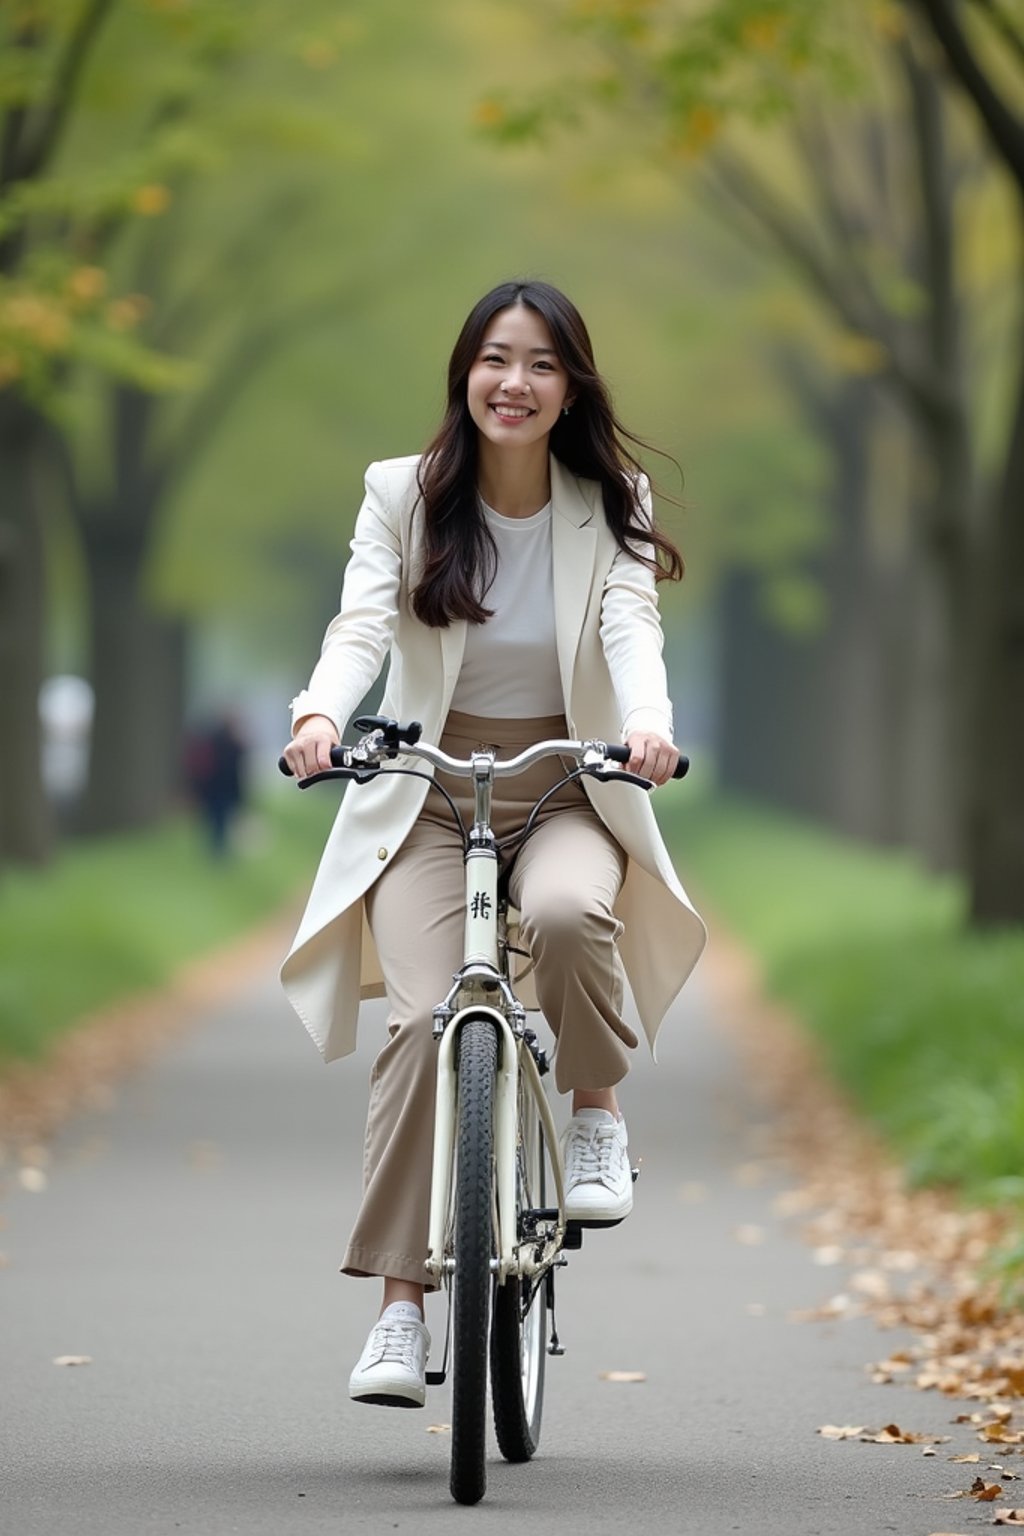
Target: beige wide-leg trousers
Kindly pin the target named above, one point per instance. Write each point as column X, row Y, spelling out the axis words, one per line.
column 564, row 881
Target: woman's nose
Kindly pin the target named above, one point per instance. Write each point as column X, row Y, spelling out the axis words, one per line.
column 515, row 382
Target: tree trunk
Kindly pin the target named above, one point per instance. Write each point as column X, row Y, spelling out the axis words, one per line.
column 26, row 820
column 996, row 827
column 138, row 654
column 137, row 674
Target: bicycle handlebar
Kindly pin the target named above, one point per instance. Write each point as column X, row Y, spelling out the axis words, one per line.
column 385, row 737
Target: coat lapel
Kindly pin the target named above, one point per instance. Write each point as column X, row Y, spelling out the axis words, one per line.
column 573, row 546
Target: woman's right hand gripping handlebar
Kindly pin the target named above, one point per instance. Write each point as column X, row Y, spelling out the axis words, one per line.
column 309, row 750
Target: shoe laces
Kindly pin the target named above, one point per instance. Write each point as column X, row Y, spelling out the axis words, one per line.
column 396, row 1343
column 592, row 1150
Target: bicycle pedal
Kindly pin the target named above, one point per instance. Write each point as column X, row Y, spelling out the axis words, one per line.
column 436, row 1378
column 555, row 1348
column 573, row 1235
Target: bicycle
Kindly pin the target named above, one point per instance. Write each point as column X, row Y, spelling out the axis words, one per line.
column 493, row 1241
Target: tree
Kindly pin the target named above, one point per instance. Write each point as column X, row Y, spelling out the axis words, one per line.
column 107, row 317
column 996, row 813
column 695, row 69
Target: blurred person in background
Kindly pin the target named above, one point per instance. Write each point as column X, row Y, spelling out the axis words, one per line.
column 215, row 775
column 509, row 574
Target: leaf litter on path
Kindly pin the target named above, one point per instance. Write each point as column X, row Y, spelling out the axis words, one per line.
column 916, row 1257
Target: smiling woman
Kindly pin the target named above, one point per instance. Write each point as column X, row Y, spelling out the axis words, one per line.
column 509, row 572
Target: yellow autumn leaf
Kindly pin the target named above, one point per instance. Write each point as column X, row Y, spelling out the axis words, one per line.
column 151, row 200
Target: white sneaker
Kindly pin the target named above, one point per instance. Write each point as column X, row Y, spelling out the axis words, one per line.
column 392, row 1367
column 598, row 1178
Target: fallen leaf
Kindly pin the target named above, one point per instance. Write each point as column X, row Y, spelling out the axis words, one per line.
column 692, row 1192
column 1009, row 1517
column 32, row 1179
column 871, row 1282
column 974, row 1456
column 438, row 1429
column 828, row 1254
column 72, row 1359
column 792, row 1201
column 841, row 1431
column 998, row 1434
column 622, row 1376
column 749, row 1234
column 984, row 1492
column 893, row 1435
column 204, row 1154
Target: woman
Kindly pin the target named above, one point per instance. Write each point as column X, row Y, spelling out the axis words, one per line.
column 509, row 575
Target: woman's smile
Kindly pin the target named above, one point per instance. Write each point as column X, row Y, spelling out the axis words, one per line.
column 511, row 413
column 518, row 383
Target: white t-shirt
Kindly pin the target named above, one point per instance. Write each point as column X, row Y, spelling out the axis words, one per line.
column 510, row 664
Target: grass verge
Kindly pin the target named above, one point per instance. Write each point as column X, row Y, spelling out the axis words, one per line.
column 920, row 1019
column 118, row 915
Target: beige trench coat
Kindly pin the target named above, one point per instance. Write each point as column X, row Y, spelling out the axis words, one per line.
column 609, row 642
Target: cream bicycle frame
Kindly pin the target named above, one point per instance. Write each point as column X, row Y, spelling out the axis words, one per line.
column 475, row 985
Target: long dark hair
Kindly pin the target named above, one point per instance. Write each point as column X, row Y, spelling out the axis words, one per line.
column 459, row 553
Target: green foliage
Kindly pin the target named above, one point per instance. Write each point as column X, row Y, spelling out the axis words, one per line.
column 122, row 914
column 166, row 93
column 920, row 1019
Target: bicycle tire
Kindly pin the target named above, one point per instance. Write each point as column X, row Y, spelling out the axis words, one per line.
column 471, row 1281
column 519, row 1334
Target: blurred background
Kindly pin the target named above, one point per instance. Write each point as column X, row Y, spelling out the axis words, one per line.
column 236, row 243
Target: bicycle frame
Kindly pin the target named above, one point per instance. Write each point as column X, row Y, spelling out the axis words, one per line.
column 480, row 977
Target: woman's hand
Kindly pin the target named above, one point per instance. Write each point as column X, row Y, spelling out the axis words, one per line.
column 309, row 750
column 651, row 756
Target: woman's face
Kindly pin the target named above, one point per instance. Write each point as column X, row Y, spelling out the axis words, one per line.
column 517, row 386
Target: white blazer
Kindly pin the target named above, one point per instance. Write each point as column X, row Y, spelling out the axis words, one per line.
column 609, row 643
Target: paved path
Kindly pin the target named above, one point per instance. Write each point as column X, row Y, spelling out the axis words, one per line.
column 188, row 1239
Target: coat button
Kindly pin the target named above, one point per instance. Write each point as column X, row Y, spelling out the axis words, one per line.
column 382, row 853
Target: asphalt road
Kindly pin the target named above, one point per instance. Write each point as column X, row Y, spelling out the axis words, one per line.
column 187, row 1240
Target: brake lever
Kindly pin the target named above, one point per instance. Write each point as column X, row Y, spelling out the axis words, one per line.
column 605, row 775
column 361, row 776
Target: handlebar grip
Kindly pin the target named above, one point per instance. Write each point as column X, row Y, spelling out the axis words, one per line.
column 282, row 767
column 621, row 755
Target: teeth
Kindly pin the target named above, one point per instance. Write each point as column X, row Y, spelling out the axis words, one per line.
column 512, row 410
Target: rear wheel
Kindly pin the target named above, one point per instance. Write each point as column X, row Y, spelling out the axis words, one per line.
column 471, row 1282
column 519, row 1327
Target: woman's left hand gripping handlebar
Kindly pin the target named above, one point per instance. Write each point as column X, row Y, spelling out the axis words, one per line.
column 651, row 756
column 309, row 750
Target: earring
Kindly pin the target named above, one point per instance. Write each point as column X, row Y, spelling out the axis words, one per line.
column 565, row 410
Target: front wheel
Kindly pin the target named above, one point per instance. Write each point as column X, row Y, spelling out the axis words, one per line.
column 471, row 1282
column 519, row 1327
